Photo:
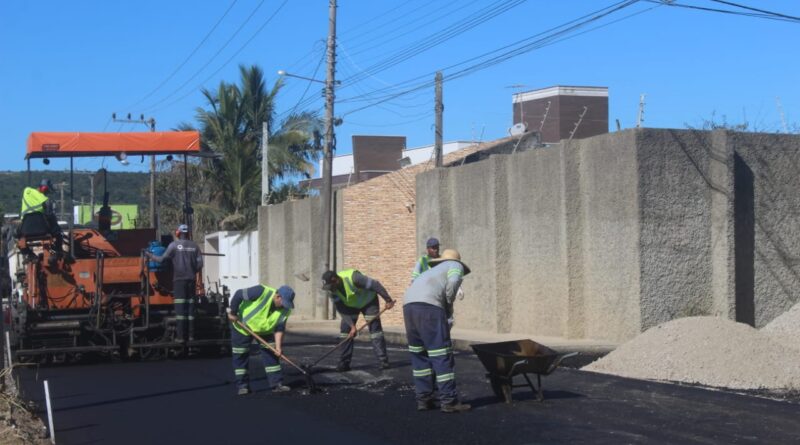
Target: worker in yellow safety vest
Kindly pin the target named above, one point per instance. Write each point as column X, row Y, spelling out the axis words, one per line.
column 35, row 200
column 354, row 293
column 423, row 263
column 264, row 310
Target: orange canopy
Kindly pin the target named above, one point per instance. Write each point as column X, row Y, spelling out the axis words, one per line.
column 54, row 145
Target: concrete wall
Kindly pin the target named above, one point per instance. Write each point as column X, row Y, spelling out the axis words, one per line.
column 290, row 244
column 607, row 236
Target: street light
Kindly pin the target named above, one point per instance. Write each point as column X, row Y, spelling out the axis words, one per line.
column 284, row 73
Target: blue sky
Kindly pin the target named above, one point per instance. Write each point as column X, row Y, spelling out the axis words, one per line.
column 66, row 66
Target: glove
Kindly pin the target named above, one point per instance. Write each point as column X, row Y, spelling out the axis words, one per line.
column 450, row 322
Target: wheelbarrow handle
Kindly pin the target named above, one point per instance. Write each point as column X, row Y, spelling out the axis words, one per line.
column 268, row 346
column 559, row 360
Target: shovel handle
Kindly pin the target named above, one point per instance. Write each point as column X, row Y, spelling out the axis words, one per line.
column 349, row 337
column 268, row 346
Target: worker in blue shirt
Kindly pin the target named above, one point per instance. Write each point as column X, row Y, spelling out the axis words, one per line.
column 264, row 310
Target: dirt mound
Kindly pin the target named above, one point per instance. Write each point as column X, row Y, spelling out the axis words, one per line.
column 786, row 328
column 709, row 351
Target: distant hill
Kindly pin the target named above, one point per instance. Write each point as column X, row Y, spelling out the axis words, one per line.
column 123, row 187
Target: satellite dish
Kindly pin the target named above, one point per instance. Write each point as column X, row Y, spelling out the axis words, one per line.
column 518, row 129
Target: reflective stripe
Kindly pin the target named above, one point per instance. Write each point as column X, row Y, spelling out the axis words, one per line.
column 445, row 377
column 180, row 300
column 237, row 350
column 191, row 317
column 439, row 352
column 416, row 349
column 181, row 317
column 369, row 318
column 455, row 273
column 272, row 369
column 240, row 371
column 260, row 306
column 344, row 334
column 422, row 372
column 378, row 334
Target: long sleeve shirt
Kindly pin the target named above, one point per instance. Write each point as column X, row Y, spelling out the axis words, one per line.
column 187, row 259
column 250, row 294
column 361, row 281
column 437, row 286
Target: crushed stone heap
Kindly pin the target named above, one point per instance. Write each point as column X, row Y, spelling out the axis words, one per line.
column 710, row 351
column 786, row 328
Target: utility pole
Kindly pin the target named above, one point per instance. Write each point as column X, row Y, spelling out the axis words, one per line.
column 783, row 116
column 327, row 168
column 439, row 109
column 61, row 186
column 152, row 124
column 264, row 163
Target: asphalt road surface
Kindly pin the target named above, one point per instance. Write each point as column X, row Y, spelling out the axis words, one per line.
column 193, row 401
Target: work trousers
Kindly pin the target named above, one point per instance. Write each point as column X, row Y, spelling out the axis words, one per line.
column 431, row 352
column 240, row 349
column 349, row 318
column 183, row 292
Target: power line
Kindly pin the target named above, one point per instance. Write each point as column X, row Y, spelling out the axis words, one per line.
column 182, row 64
column 258, row 31
column 776, row 14
column 197, row 73
column 516, row 49
column 725, row 11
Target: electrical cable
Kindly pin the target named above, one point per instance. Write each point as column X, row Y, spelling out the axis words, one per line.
column 197, row 73
column 182, row 64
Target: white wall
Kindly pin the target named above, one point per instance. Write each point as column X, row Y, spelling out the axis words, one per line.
column 239, row 267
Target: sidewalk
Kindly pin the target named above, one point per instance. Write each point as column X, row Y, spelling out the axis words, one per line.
column 462, row 338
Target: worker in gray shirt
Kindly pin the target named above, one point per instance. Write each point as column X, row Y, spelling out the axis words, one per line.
column 187, row 261
column 427, row 306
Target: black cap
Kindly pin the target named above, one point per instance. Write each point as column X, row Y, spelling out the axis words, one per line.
column 327, row 280
column 432, row 242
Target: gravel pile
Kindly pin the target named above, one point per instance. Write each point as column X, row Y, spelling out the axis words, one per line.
column 709, row 351
column 786, row 328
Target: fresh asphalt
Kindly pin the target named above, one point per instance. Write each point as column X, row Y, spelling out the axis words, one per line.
column 193, row 401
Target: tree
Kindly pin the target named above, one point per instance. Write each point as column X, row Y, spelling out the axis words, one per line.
column 231, row 128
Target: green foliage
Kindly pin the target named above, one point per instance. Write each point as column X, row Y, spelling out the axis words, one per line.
column 231, row 127
column 123, row 188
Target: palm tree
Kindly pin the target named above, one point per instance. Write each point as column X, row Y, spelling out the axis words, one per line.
column 232, row 128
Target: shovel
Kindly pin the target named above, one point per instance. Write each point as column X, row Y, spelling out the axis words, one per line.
column 312, row 387
column 339, row 345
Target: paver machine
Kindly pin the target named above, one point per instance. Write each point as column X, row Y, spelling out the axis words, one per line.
column 91, row 289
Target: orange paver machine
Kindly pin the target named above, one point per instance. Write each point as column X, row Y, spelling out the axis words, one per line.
column 92, row 290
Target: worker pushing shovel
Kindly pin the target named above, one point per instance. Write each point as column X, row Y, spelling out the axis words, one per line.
column 257, row 312
column 351, row 335
column 354, row 293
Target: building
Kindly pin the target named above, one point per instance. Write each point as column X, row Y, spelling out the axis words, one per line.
column 374, row 156
column 563, row 112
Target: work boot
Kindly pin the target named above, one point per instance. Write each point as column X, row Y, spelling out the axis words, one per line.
column 425, row 405
column 281, row 388
column 456, row 407
column 343, row 367
column 243, row 391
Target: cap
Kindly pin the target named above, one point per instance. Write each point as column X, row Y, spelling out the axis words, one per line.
column 183, row 228
column 327, row 280
column 432, row 242
column 287, row 295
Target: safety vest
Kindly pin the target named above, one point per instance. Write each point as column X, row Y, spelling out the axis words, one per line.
column 32, row 201
column 260, row 315
column 353, row 296
column 423, row 266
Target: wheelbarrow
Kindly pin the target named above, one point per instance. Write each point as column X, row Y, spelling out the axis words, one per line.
column 504, row 360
